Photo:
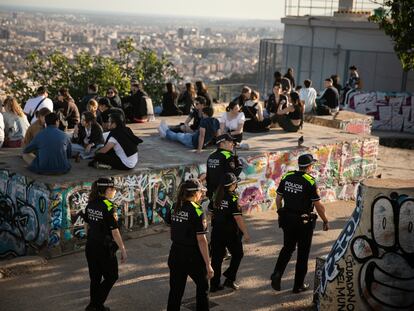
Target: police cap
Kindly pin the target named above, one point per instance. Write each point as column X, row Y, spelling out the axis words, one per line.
column 105, row 182
column 194, row 185
column 305, row 160
column 224, row 137
column 230, row 179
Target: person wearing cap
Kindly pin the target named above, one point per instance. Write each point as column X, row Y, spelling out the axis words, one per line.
column 220, row 162
column 189, row 250
column 103, row 240
column 228, row 229
column 299, row 193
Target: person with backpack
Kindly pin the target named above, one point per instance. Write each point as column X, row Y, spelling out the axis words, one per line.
column 37, row 103
column 253, row 112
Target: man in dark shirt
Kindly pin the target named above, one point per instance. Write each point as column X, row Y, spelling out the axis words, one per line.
column 135, row 105
column 106, row 109
column 300, row 195
column 92, row 94
column 328, row 103
column 243, row 97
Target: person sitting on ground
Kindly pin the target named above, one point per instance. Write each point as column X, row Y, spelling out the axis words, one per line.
column 87, row 137
column 36, row 127
column 289, row 75
column 15, row 123
column 243, row 97
column 106, row 109
column 291, row 118
column 328, row 102
column 66, row 106
column 232, row 122
column 203, row 91
column 92, row 94
column 253, row 111
column 196, row 115
column 37, row 103
column 112, row 95
column 52, row 148
column 186, row 99
column 201, row 138
column 121, row 147
column 307, row 97
column 135, row 105
column 169, row 102
column 92, row 106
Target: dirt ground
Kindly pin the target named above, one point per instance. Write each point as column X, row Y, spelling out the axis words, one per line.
column 63, row 283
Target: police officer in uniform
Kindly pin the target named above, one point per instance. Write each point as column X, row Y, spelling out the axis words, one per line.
column 189, row 250
column 103, row 240
column 228, row 230
column 220, row 162
column 300, row 195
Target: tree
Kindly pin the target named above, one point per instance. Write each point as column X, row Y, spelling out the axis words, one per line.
column 55, row 70
column 397, row 21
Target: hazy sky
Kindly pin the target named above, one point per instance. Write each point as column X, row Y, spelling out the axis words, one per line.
column 256, row 9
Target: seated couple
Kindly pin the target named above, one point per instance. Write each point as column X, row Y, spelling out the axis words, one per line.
column 199, row 139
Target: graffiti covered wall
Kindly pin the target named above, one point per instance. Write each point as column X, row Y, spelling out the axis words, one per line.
column 391, row 111
column 36, row 216
column 371, row 264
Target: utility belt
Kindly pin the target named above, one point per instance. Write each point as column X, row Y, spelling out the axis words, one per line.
column 303, row 216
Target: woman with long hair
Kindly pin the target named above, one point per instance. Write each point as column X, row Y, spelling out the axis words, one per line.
column 228, row 229
column 189, row 250
column 66, row 106
column 169, row 101
column 103, row 240
column 112, row 95
column 121, row 147
column 92, row 106
column 87, row 137
column 15, row 123
column 289, row 75
column 253, row 111
column 202, row 90
column 290, row 118
column 186, row 99
column 232, row 121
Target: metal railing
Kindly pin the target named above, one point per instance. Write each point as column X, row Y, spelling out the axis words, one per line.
column 328, row 7
column 226, row 92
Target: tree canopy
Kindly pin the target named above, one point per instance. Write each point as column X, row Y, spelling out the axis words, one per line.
column 55, row 70
column 397, row 21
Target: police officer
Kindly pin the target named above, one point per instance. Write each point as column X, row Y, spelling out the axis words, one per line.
column 103, row 240
column 189, row 250
column 300, row 195
column 220, row 162
column 228, row 230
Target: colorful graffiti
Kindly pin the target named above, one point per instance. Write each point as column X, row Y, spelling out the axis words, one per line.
column 23, row 215
column 391, row 111
column 371, row 265
column 143, row 199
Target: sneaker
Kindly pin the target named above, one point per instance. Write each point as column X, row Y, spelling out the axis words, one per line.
column 231, row 284
column 102, row 166
column 276, row 279
column 161, row 132
column 301, row 289
column 164, row 125
column 216, row 288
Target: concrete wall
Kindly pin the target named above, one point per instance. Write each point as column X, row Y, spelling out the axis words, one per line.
column 391, row 111
column 370, row 266
column 45, row 218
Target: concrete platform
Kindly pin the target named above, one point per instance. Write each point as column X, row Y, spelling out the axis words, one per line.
column 41, row 213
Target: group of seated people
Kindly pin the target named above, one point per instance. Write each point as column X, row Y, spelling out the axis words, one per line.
column 99, row 133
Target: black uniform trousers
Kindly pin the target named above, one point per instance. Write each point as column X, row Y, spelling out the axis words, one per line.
column 101, row 264
column 185, row 261
column 295, row 233
column 219, row 242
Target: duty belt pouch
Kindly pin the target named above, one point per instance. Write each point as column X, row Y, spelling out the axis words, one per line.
column 110, row 246
column 282, row 217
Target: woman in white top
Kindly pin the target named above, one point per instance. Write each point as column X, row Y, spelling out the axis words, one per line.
column 232, row 122
column 15, row 123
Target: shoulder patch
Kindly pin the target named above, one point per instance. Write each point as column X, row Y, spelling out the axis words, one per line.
column 227, row 154
column 234, row 197
column 309, row 178
column 288, row 174
column 197, row 208
column 109, row 205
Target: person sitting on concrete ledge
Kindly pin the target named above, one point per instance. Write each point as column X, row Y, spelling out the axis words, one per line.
column 199, row 139
column 52, row 147
column 196, row 115
column 253, row 111
column 291, row 118
column 232, row 121
column 87, row 137
column 15, row 123
column 121, row 147
column 105, row 107
column 37, row 126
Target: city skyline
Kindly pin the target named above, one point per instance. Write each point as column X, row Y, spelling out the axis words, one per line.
column 232, row 9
